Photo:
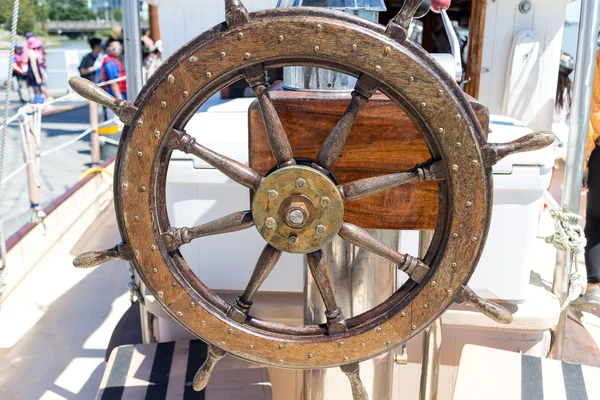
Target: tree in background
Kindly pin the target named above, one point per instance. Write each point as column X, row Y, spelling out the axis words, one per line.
column 117, row 14
column 30, row 12
column 41, row 10
column 69, row 10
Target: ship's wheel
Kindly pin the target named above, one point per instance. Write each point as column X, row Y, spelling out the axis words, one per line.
column 300, row 208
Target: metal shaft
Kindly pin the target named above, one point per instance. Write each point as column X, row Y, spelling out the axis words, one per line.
column 133, row 70
column 133, row 47
column 582, row 94
column 432, row 341
column 430, row 368
column 360, row 281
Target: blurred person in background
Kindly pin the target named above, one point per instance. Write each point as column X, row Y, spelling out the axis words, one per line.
column 115, row 35
column 591, row 301
column 113, row 69
column 560, row 123
column 154, row 59
column 148, row 45
column 19, row 71
column 35, row 76
column 562, row 104
column 89, row 68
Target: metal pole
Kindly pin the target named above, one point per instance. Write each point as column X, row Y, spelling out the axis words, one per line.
column 360, row 281
column 582, row 94
column 430, row 367
column 432, row 341
column 133, row 70
column 133, row 47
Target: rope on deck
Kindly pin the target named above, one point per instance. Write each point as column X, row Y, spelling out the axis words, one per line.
column 7, row 84
column 568, row 237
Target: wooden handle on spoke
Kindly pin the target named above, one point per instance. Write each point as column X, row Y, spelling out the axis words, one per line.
column 89, row 90
column 94, row 258
column 398, row 26
column 176, row 237
column 352, row 371
column 487, row 307
column 494, row 152
column 205, row 372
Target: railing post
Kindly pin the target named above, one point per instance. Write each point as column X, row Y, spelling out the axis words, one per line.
column 133, row 47
column 94, row 136
column 582, row 94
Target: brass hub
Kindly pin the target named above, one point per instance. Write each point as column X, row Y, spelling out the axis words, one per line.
column 297, row 209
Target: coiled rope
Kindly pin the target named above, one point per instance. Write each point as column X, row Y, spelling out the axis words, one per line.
column 568, row 236
column 7, row 87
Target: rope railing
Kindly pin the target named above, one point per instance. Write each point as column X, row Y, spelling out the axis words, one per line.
column 59, row 147
column 31, row 141
column 568, row 236
column 25, row 110
column 31, row 113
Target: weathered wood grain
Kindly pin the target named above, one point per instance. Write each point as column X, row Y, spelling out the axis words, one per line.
column 405, row 74
column 476, row 35
column 336, row 323
column 382, row 140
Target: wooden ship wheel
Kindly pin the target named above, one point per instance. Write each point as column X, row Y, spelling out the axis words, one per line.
column 299, row 207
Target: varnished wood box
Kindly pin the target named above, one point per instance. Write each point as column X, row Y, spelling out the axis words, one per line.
column 383, row 140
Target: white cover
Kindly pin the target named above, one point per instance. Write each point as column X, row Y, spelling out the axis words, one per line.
column 522, row 77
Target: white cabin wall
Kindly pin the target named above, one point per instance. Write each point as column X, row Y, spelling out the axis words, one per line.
column 503, row 22
column 182, row 20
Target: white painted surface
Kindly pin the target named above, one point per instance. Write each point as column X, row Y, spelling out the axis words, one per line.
column 522, row 76
column 182, row 20
column 56, row 324
column 519, row 182
column 503, row 22
column 198, row 193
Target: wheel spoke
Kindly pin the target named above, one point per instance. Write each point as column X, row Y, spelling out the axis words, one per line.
column 176, row 237
column 352, row 371
column 265, row 264
column 235, row 13
column 398, row 26
column 334, row 143
column 206, row 370
column 370, row 186
column 336, row 323
column 278, row 140
column 242, row 174
column 414, row 267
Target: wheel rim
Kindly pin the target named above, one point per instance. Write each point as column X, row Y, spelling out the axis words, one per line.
column 452, row 256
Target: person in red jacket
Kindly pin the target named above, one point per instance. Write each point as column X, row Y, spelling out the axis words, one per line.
column 19, row 71
column 113, row 69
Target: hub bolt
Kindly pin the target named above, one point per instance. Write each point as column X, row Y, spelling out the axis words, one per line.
column 296, row 217
column 293, row 239
column 300, row 183
column 270, row 223
column 321, row 229
column 273, row 194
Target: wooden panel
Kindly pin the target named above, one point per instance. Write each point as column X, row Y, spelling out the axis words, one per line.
column 476, row 35
column 487, row 56
column 383, row 140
